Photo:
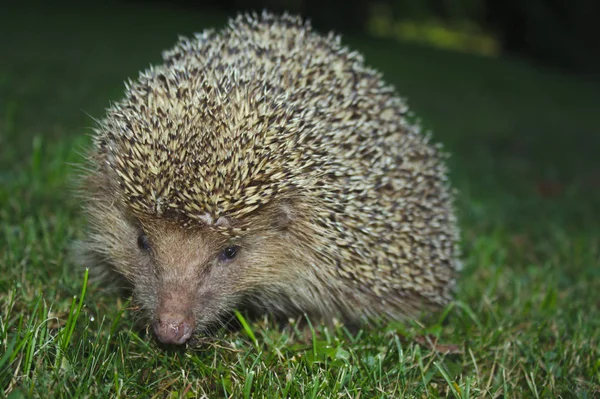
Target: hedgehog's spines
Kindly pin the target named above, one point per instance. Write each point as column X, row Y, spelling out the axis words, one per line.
column 265, row 112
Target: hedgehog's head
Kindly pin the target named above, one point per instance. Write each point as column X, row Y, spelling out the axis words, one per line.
column 189, row 278
column 189, row 275
column 193, row 200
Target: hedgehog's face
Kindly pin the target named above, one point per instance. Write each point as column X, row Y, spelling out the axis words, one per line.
column 184, row 271
column 189, row 279
column 186, row 279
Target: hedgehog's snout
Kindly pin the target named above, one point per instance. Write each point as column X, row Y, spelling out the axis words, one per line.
column 173, row 328
column 174, row 321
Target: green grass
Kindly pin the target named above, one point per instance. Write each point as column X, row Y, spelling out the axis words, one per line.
column 525, row 144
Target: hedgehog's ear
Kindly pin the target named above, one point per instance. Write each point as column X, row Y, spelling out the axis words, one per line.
column 284, row 215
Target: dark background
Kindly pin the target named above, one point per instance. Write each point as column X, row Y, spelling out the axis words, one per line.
column 559, row 33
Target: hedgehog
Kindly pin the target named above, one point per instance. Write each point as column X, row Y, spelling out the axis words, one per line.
column 266, row 167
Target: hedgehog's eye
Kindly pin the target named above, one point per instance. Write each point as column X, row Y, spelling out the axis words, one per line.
column 143, row 242
column 229, row 253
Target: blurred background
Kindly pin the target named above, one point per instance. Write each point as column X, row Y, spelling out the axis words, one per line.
column 559, row 33
column 556, row 32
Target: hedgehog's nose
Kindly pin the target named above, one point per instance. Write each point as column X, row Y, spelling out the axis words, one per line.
column 173, row 328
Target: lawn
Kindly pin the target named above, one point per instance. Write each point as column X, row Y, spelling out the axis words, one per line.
column 525, row 145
